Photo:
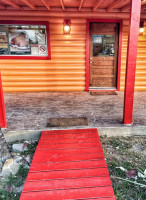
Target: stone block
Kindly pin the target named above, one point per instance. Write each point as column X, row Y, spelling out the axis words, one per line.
column 19, row 147
column 28, row 159
column 10, row 166
column 17, row 158
column 1, row 165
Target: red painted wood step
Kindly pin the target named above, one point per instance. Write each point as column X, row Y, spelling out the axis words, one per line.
column 67, row 146
column 107, row 198
column 77, row 173
column 66, row 184
column 81, row 193
column 86, row 164
column 69, row 140
column 68, row 164
column 42, row 157
column 70, row 151
column 87, row 130
column 70, row 136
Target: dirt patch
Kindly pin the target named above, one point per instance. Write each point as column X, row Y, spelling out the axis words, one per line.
column 126, row 160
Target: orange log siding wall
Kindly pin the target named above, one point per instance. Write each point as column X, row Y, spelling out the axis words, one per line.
column 64, row 72
column 140, row 79
column 66, row 69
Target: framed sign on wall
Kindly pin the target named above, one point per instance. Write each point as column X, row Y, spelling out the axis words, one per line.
column 24, row 40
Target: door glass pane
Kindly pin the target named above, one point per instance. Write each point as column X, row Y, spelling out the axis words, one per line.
column 103, row 45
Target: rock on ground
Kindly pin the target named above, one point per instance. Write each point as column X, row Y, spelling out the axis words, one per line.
column 19, row 147
column 28, row 159
column 4, row 152
column 1, row 165
column 18, row 158
column 19, row 189
column 10, row 166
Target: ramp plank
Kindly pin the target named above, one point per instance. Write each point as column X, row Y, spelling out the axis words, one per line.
column 69, row 140
column 66, row 183
column 80, row 193
column 43, row 157
column 71, row 151
column 67, row 174
column 44, row 145
column 87, row 164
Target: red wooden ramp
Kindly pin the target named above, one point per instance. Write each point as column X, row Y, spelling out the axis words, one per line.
column 68, row 164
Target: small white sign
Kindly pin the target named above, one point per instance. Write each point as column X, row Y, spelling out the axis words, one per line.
column 42, row 50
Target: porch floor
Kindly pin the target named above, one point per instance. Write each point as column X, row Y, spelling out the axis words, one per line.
column 31, row 111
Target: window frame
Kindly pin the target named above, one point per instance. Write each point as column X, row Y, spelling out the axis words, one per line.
column 45, row 23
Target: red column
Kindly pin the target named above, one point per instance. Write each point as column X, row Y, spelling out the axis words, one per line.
column 131, row 60
column 3, row 122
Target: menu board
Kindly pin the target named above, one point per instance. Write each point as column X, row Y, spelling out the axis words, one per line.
column 23, row 40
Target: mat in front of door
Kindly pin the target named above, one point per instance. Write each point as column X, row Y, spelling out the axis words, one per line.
column 103, row 93
column 66, row 122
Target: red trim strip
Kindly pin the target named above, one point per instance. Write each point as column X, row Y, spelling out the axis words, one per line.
column 87, row 55
column 3, row 122
column 30, row 23
column 87, row 49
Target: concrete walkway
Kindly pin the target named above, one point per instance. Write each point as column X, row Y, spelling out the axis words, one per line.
column 31, row 111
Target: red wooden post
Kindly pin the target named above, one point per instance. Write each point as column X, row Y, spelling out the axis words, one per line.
column 3, row 122
column 131, row 60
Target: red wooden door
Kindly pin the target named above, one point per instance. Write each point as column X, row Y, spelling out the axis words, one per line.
column 103, row 55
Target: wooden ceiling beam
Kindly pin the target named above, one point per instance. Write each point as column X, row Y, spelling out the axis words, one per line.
column 113, row 5
column 2, row 6
column 81, row 3
column 119, row 3
column 14, row 5
column 29, row 4
column 143, row 7
column 62, row 4
column 97, row 4
column 45, row 2
column 125, row 8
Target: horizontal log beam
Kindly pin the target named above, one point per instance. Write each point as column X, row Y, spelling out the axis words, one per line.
column 12, row 4
column 97, row 4
column 66, row 14
column 29, row 4
column 46, row 4
column 56, row 9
